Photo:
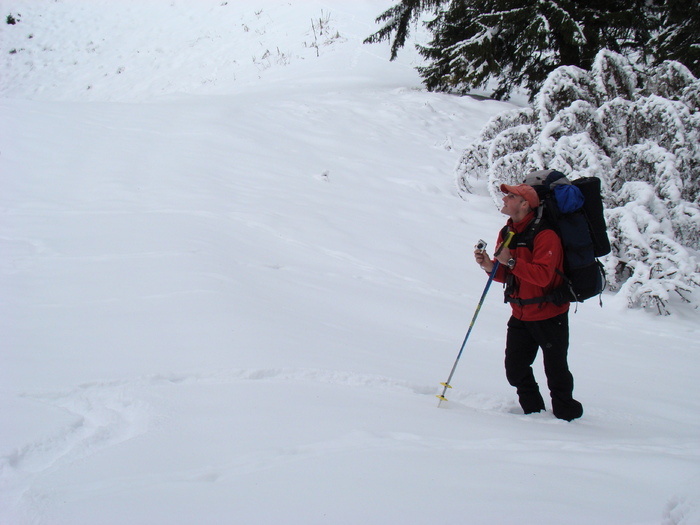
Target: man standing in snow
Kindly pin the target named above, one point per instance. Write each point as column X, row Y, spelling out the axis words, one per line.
column 531, row 274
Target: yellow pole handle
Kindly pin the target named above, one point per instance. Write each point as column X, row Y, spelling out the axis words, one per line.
column 504, row 244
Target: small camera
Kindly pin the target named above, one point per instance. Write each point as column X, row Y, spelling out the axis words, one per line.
column 480, row 246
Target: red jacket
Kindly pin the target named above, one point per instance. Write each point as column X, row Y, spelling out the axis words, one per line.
column 535, row 272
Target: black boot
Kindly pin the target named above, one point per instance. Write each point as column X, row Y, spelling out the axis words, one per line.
column 567, row 410
column 531, row 401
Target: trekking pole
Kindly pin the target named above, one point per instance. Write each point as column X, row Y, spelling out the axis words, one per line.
column 481, row 245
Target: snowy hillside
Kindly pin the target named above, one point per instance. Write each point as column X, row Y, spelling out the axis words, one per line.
column 133, row 50
column 236, row 267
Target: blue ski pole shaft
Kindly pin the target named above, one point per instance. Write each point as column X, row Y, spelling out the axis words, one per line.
column 446, row 384
column 496, row 264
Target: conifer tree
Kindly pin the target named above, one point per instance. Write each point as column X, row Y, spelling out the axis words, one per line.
column 516, row 42
column 398, row 20
column 679, row 35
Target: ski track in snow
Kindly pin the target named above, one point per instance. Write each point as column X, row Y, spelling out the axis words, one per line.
column 108, row 413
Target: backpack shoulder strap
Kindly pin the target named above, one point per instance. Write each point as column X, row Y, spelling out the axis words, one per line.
column 526, row 238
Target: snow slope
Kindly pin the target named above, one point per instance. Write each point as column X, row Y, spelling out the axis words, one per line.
column 231, row 284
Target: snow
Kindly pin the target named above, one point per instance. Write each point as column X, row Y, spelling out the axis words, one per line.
column 230, row 290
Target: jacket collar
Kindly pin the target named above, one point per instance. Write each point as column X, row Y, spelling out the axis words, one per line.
column 519, row 227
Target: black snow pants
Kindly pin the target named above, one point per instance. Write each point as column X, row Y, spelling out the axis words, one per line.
column 522, row 343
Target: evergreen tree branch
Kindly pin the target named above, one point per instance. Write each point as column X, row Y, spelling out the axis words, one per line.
column 398, row 19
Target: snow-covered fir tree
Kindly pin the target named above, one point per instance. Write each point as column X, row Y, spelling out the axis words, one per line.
column 511, row 43
column 519, row 43
column 679, row 35
column 638, row 130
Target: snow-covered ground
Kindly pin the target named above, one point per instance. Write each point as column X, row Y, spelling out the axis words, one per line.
column 235, row 268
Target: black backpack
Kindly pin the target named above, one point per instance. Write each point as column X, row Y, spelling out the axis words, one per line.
column 574, row 210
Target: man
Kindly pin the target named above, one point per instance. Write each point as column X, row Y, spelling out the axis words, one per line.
column 530, row 275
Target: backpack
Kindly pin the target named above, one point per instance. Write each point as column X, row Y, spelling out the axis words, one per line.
column 574, row 211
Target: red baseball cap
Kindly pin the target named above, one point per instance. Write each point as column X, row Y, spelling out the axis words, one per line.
column 525, row 191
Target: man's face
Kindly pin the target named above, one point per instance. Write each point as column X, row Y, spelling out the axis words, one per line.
column 513, row 205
